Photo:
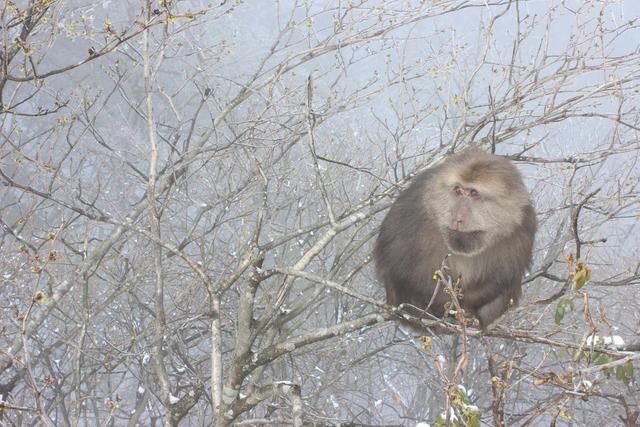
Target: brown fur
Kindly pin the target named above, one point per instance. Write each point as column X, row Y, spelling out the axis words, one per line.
column 490, row 237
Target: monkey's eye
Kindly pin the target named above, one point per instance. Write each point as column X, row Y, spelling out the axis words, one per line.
column 474, row 193
column 457, row 190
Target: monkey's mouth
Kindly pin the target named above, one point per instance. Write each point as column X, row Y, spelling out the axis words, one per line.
column 465, row 242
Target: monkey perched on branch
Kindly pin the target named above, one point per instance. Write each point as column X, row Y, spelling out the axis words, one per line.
column 474, row 209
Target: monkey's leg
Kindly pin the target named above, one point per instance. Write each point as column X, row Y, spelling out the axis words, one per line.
column 489, row 313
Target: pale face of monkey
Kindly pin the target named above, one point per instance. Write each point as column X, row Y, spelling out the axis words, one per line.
column 478, row 204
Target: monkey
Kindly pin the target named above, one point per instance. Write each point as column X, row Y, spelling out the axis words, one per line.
column 472, row 210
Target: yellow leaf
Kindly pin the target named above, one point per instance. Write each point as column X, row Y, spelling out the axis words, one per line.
column 397, row 398
column 425, row 343
column 581, row 275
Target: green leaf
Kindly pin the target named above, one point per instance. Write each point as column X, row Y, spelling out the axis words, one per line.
column 561, row 309
column 624, row 373
column 600, row 359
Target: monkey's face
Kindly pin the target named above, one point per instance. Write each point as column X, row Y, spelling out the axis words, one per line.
column 478, row 213
column 464, row 230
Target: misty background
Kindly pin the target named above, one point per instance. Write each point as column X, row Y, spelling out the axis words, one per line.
column 190, row 192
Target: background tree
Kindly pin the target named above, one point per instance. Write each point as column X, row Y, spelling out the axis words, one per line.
column 190, row 194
